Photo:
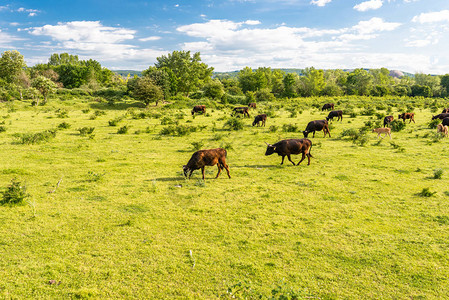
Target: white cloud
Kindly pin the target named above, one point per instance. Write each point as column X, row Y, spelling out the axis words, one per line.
column 6, row 39
column 320, row 2
column 369, row 5
column 418, row 43
column 375, row 25
column 150, row 38
column 432, row 17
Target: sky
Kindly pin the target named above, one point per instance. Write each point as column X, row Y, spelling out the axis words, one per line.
column 407, row 35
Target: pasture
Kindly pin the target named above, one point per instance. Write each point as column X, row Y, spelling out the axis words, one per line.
column 110, row 214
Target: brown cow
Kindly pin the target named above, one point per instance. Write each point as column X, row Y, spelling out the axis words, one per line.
column 327, row 106
column 252, row 105
column 405, row 116
column 388, row 120
column 199, row 108
column 291, row 146
column 317, row 125
column 443, row 129
column 260, row 118
column 240, row 110
column 383, row 130
column 209, row 157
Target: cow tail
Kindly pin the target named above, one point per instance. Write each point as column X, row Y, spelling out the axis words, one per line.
column 310, row 150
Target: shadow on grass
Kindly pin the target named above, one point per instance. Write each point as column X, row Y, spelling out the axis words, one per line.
column 260, row 166
column 167, row 179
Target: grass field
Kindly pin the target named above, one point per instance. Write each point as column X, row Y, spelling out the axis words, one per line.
column 111, row 216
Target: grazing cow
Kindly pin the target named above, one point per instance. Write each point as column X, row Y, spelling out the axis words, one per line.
column 317, row 126
column 240, row 110
column 405, row 116
column 292, row 146
column 335, row 113
column 445, row 110
column 252, row 105
column 441, row 116
column 445, row 122
column 443, row 129
column 260, row 118
column 209, row 157
column 388, row 120
column 199, row 108
column 327, row 106
column 383, row 130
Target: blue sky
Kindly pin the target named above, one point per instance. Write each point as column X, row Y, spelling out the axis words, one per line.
column 407, row 35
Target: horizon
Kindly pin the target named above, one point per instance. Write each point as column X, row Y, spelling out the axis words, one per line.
column 405, row 35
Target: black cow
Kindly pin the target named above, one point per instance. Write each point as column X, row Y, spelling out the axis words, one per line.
column 317, row 125
column 335, row 113
column 327, row 106
column 199, row 108
column 445, row 110
column 441, row 116
column 240, row 110
column 405, row 116
column 292, row 146
column 388, row 120
column 260, row 118
column 208, row 157
column 445, row 122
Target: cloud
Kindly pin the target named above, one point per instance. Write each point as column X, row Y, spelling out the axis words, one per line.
column 31, row 12
column 432, row 17
column 375, row 25
column 6, row 39
column 369, row 5
column 320, row 2
column 150, row 38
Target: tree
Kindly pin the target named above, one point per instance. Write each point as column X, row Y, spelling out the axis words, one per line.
column 214, row 89
column 11, row 66
column 161, row 77
column 63, row 59
column 359, row 82
column 44, row 85
column 312, row 83
column 247, row 80
column 290, row 81
column 189, row 73
column 445, row 84
column 147, row 91
column 433, row 82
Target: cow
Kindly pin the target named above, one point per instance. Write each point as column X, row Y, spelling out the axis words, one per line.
column 327, row 106
column 260, row 118
column 208, row 157
column 335, row 113
column 240, row 110
column 405, row 116
column 199, row 108
column 443, row 129
column 383, row 130
column 445, row 110
column 291, row 146
column 317, row 125
column 388, row 120
column 441, row 116
column 252, row 105
column 445, row 122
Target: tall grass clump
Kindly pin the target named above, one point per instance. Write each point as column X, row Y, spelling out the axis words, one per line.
column 438, row 173
column 14, row 194
column 358, row 137
column 34, row 138
column 86, row 130
column 397, row 125
column 178, row 130
column 64, row 125
column 290, row 127
column 233, row 124
column 434, row 123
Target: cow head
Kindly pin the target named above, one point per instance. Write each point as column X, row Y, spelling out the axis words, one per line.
column 434, row 117
column 327, row 118
column 306, row 133
column 254, row 123
column 185, row 169
column 270, row 149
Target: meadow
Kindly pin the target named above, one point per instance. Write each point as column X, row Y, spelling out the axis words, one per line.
column 110, row 215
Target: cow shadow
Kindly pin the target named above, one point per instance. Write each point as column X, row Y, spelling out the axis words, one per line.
column 258, row 166
column 167, row 179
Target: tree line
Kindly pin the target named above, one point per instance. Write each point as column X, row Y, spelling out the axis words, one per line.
column 183, row 73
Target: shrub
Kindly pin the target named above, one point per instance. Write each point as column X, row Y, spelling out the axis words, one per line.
column 86, row 130
column 64, row 125
column 123, row 130
column 356, row 136
column 63, row 114
column 397, row 125
column 15, row 193
column 290, row 128
column 168, row 121
column 2, row 128
column 273, row 128
column 426, row 193
column 35, row 138
column 197, row 145
column 233, row 124
column 438, row 173
column 179, row 130
column 434, row 123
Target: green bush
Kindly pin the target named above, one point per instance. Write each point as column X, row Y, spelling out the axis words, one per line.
column 34, row 138
column 426, row 193
column 197, row 145
column 179, row 130
column 397, row 125
column 114, row 122
column 233, row 124
column 64, row 125
column 2, row 128
column 434, row 123
column 123, row 130
column 15, row 193
column 290, row 128
column 438, row 173
column 86, row 130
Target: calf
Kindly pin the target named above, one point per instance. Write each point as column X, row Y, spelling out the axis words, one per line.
column 292, row 146
column 405, row 116
column 443, row 129
column 260, row 118
column 335, row 113
column 445, row 122
column 327, row 106
column 388, row 120
column 209, row 157
column 441, row 116
column 240, row 110
column 317, row 125
column 383, row 130
column 252, row 105
column 199, row 108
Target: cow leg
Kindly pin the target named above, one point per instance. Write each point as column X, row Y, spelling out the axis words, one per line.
column 219, row 170
column 389, row 135
column 190, row 174
column 227, row 169
column 303, row 157
column 290, row 159
column 282, row 162
column 313, row 134
column 202, row 171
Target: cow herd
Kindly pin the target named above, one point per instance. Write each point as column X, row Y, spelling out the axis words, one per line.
column 288, row 147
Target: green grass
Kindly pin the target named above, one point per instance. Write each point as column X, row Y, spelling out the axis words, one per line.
column 124, row 223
